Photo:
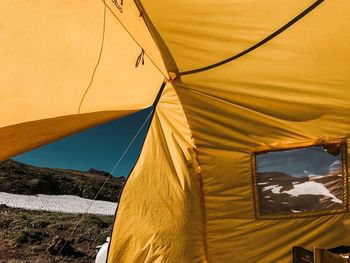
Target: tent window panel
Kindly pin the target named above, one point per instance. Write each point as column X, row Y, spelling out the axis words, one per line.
column 300, row 180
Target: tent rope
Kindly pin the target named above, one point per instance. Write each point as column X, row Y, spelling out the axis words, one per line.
column 143, row 52
column 262, row 42
column 109, row 176
column 99, row 57
column 142, row 48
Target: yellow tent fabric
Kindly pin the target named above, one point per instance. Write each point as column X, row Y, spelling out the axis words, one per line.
column 159, row 216
column 64, row 58
column 250, row 75
column 294, row 89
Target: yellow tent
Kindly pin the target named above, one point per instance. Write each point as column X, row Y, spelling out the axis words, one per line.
column 241, row 78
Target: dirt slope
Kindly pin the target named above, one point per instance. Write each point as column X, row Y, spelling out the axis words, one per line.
column 27, row 236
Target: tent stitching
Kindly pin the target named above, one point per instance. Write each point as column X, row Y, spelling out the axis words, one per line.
column 162, row 47
column 197, row 169
column 203, row 212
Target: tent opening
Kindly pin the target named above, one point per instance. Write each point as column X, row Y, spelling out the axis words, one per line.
column 67, row 191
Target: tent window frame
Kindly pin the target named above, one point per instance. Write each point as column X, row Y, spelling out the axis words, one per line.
column 284, row 147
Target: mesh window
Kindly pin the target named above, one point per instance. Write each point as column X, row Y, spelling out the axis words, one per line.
column 299, row 180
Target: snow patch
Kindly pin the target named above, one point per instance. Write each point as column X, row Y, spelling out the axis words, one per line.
column 315, row 176
column 335, row 166
column 276, row 190
column 263, row 183
column 58, row 203
column 266, row 188
column 306, row 188
column 312, row 188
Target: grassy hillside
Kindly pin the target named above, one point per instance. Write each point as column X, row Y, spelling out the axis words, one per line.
column 20, row 178
column 33, row 236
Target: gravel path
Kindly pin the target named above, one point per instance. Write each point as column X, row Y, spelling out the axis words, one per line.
column 58, row 203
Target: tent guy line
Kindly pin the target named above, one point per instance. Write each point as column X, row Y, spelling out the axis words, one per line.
column 131, row 35
column 98, row 59
column 104, row 183
column 143, row 51
column 151, row 116
column 260, row 43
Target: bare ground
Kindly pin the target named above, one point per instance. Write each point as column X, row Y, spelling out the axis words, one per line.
column 25, row 236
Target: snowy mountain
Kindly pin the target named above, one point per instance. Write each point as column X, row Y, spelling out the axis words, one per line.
column 282, row 193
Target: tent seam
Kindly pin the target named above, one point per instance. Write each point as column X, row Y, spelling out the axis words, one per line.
column 195, row 157
column 149, row 25
column 197, row 169
column 204, row 216
column 142, row 48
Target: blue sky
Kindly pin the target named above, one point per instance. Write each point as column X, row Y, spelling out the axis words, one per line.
column 99, row 147
column 298, row 162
